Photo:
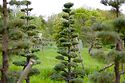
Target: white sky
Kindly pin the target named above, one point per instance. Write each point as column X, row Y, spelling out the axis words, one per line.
column 49, row 7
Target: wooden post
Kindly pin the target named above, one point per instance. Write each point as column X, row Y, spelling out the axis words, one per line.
column 26, row 71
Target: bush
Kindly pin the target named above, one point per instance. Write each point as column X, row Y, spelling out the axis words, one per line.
column 102, row 77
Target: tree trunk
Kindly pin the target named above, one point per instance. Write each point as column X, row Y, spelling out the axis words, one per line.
column 27, row 13
column 27, row 79
column 26, row 71
column 117, row 10
column 117, row 73
column 90, row 48
column 5, row 63
column 69, row 67
column 119, row 47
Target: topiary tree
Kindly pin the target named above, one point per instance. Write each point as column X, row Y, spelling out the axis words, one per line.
column 68, row 68
column 112, row 34
column 103, row 77
column 116, row 55
column 25, row 39
column 119, row 42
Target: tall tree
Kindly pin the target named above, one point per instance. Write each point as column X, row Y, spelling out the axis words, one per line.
column 116, row 56
column 119, row 46
column 31, row 40
column 24, row 38
column 67, row 48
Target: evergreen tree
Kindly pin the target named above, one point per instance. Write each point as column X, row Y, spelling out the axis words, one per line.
column 68, row 68
column 119, row 42
column 24, row 38
column 112, row 35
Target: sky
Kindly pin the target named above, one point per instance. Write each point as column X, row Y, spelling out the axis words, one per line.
column 48, row 7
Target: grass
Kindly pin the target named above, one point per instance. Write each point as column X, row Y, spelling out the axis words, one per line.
column 91, row 64
column 48, row 61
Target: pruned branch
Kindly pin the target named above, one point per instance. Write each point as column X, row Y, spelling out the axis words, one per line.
column 106, row 67
column 26, row 71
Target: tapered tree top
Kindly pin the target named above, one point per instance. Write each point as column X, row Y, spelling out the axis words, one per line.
column 68, row 5
column 26, row 2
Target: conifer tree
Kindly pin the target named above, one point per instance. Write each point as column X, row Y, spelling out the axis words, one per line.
column 112, row 35
column 119, row 42
column 68, row 68
column 25, row 38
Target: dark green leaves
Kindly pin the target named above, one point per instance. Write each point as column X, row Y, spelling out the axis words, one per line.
column 34, row 71
column 22, row 44
column 77, row 60
column 24, row 10
column 116, row 55
column 63, row 39
column 105, row 77
column 73, row 55
column 74, row 35
column 64, row 53
column 68, row 5
column 66, row 10
column 60, row 57
column 119, row 24
column 104, row 2
column 108, row 36
column 27, row 17
column 59, row 67
column 16, row 34
column 65, row 16
column 26, row 2
column 18, row 3
column 65, row 23
column 19, row 63
column 13, row 2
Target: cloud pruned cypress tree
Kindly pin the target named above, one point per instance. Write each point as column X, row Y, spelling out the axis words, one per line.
column 67, row 42
column 26, row 43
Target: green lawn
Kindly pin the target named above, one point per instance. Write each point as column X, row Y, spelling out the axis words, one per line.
column 47, row 58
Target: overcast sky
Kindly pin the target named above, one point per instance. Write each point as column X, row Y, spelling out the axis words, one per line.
column 49, row 7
